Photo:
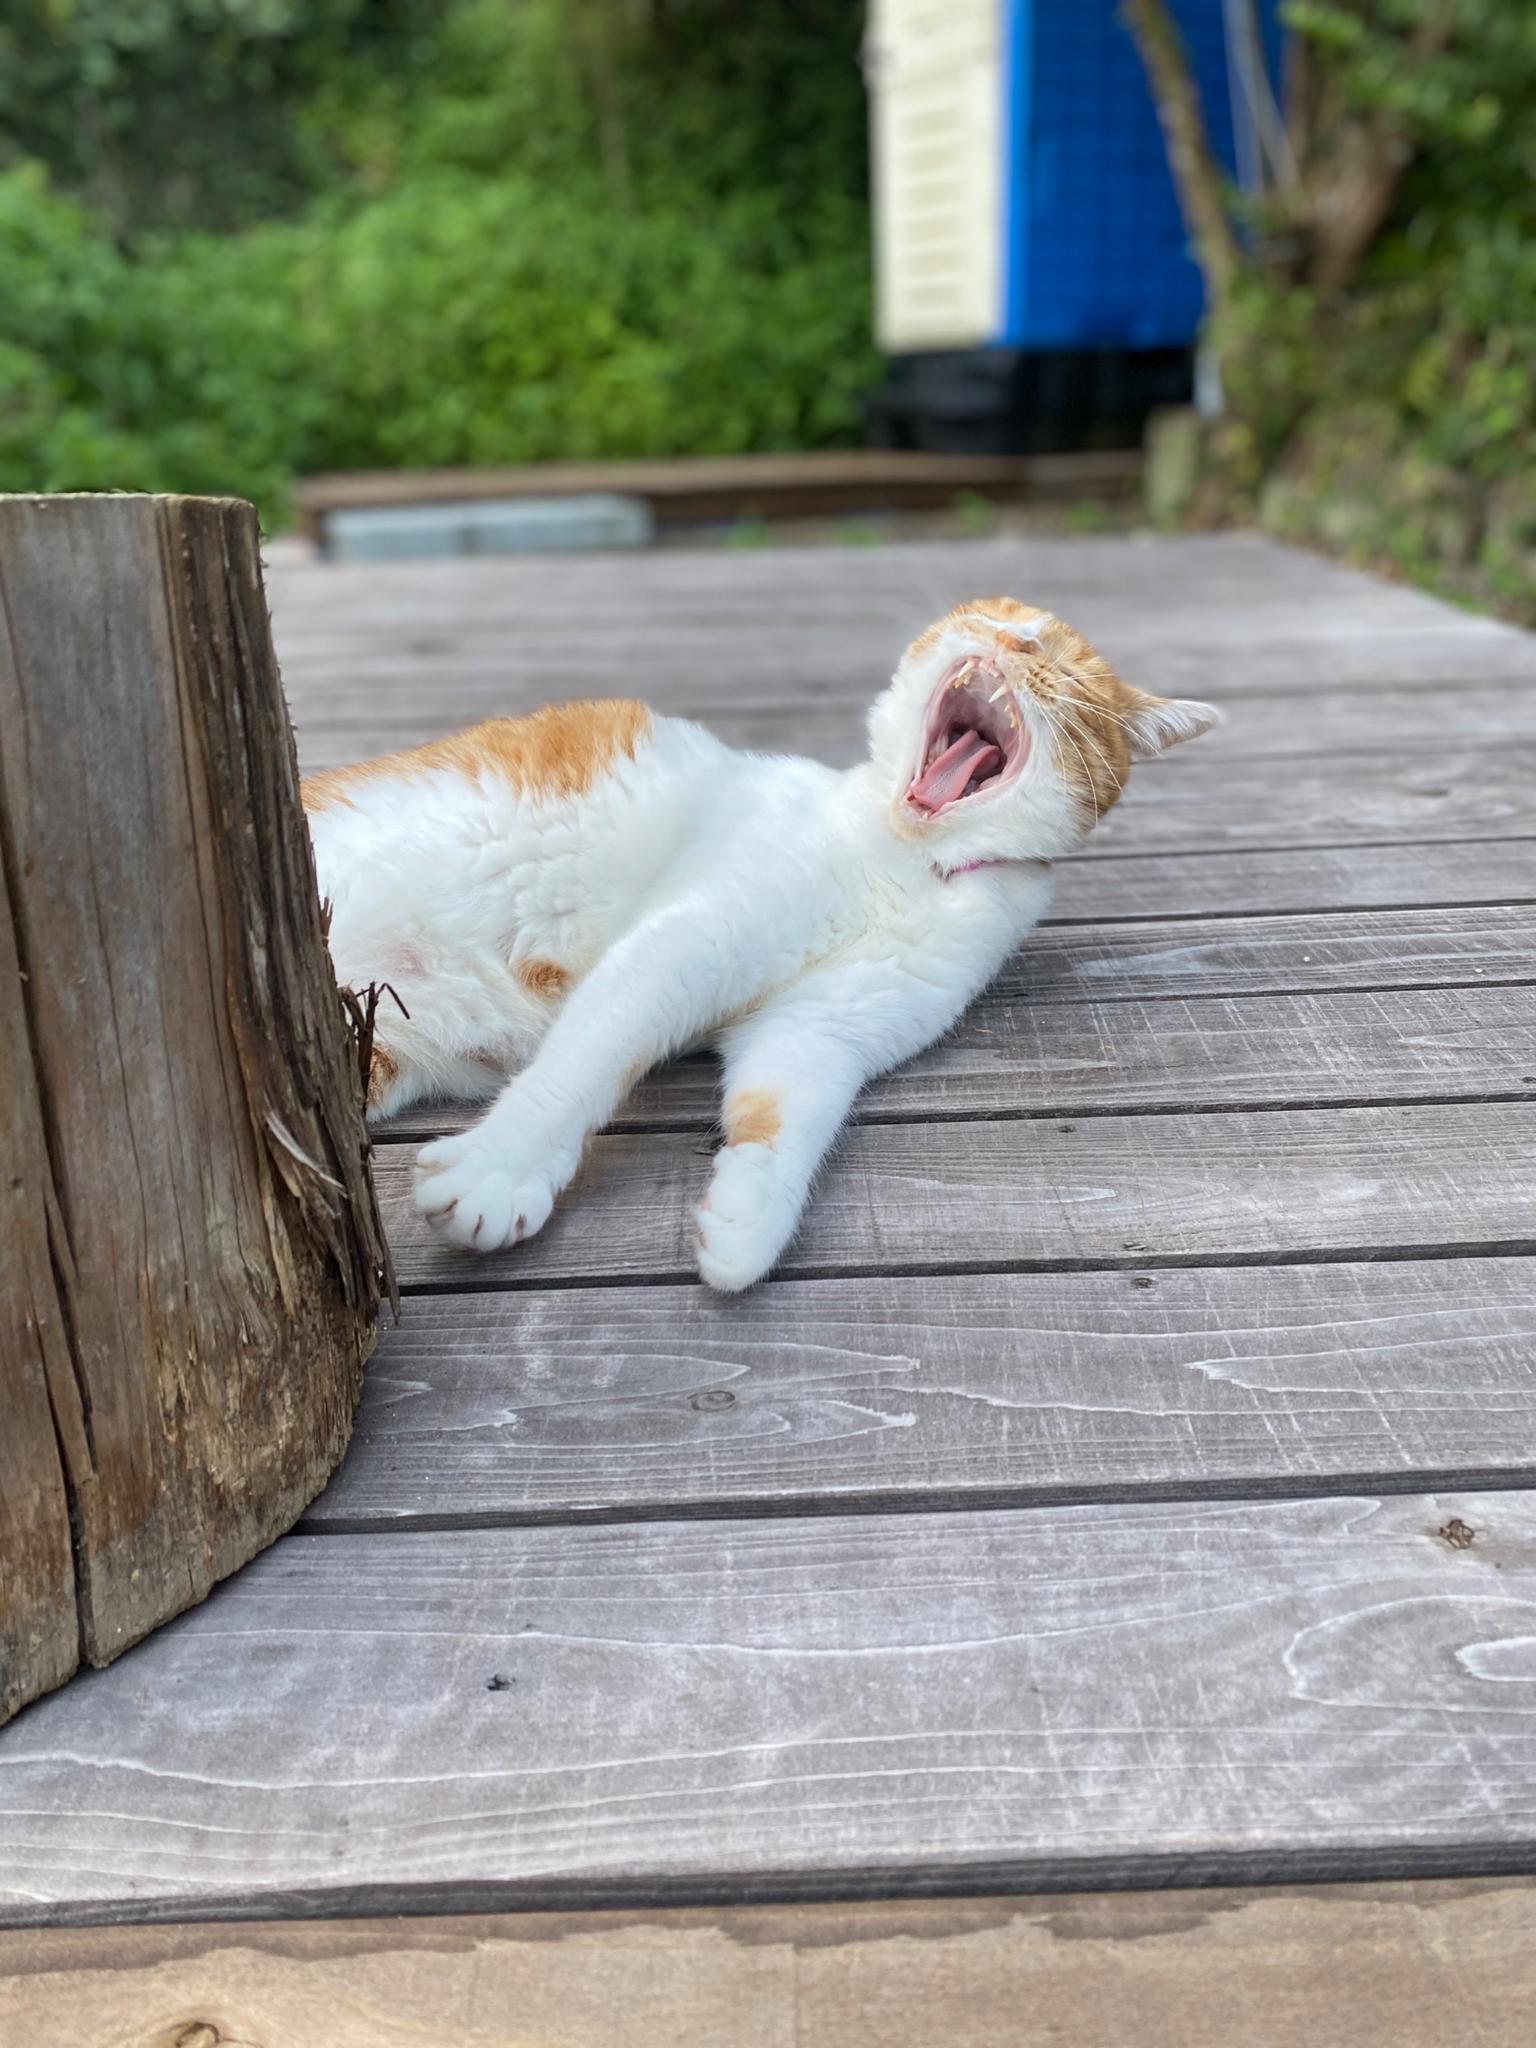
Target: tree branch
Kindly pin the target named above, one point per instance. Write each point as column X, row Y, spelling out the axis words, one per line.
column 1196, row 173
column 1359, row 170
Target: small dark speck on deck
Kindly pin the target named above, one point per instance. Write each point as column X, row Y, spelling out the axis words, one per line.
column 1142, row 1280
column 498, row 1682
column 1457, row 1534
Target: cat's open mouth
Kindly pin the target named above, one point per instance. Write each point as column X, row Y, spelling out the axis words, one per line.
column 974, row 737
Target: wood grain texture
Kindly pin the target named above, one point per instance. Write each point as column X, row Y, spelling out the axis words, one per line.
column 1010, row 1059
column 214, row 1245
column 1227, row 617
column 785, row 1697
column 1079, row 1696
column 1325, row 1966
column 1244, row 881
column 1235, row 581
column 1350, row 800
column 39, row 1612
column 1238, row 956
column 956, row 1390
column 1108, row 1190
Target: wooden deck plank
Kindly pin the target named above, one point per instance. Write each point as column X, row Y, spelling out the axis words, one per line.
column 1243, row 881
column 1220, row 580
column 666, row 1711
column 1326, row 1966
column 956, row 1391
column 1457, row 794
column 1203, row 800
column 1198, row 1053
column 831, row 728
column 1068, row 1293
column 1241, row 956
column 1110, row 1190
column 1226, row 617
column 500, row 667
column 1316, row 951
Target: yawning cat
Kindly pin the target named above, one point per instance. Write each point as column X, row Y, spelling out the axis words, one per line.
column 572, row 896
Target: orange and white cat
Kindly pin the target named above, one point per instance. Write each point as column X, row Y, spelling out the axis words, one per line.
column 570, row 897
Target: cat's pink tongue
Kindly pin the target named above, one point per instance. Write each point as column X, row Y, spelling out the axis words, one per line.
column 944, row 779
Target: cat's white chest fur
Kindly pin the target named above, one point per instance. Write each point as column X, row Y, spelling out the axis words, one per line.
column 570, row 898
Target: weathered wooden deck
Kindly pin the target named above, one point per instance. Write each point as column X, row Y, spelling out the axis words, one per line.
column 1129, row 1476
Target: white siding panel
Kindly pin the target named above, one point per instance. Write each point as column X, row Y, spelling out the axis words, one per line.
column 935, row 77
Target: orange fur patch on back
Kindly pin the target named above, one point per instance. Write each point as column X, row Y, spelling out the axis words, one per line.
column 544, row 978
column 752, row 1117
column 559, row 751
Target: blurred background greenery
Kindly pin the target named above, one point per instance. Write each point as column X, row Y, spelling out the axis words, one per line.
column 245, row 239
column 242, row 240
column 1375, row 329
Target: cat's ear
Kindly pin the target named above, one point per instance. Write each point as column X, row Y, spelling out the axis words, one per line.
column 1154, row 724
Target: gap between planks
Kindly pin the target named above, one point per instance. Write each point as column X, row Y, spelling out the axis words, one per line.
column 414, row 1130
column 1020, row 1500
column 915, row 1269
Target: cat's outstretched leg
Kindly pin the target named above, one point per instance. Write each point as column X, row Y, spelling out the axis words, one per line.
column 663, row 986
column 793, row 1069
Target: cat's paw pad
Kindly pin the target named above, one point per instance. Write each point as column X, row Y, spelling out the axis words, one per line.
column 742, row 1225
column 477, row 1196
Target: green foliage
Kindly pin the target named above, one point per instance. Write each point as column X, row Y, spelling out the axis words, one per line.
column 543, row 243
column 186, row 112
column 1447, row 72
column 1395, row 419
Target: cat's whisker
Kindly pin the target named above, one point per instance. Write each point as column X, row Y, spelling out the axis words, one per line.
column 1061, row 732
column 1085, row 728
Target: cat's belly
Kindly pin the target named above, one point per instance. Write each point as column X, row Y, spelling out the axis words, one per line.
column 476, row 908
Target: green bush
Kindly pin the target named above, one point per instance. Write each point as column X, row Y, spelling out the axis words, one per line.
column 510, row 263
column 1375, row 317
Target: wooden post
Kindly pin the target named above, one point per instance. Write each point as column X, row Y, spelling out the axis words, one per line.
column 190, row 1251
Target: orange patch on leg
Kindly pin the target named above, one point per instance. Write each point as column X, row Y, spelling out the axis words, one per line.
column 559, row 751
column 546, row 978
column 752, row 1117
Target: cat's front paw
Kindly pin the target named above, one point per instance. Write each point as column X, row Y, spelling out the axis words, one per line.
column 475, row 1192
column 745, row 1220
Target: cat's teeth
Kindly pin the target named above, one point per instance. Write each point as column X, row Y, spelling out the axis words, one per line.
column 1000, row 691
